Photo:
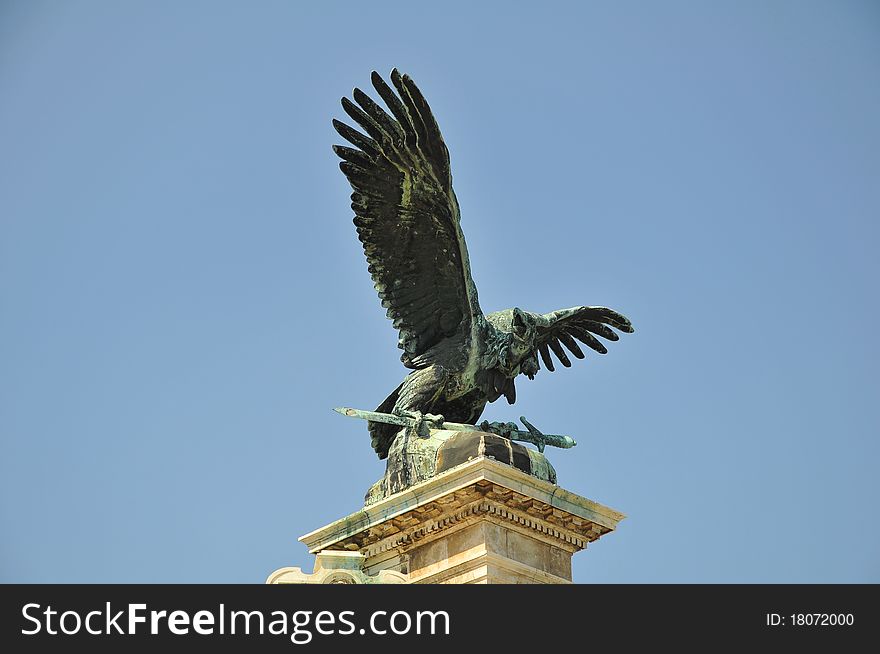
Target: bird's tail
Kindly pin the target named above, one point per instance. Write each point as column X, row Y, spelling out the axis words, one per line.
column 381, row 434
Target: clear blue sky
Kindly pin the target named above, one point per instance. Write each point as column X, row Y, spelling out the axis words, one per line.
column 184, row 298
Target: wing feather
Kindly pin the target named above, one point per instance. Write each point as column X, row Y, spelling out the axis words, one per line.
column 582, row 323
column 545, row 357
column 559, row 352
column 407, row 218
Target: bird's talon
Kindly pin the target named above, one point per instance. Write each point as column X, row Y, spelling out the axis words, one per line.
column 435, row 419
column 503, row 429
column 423, row 423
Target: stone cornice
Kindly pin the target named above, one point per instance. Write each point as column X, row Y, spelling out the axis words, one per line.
column 481, row 487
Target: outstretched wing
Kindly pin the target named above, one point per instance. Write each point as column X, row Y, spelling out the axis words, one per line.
column 568, row 326
column 407, row 218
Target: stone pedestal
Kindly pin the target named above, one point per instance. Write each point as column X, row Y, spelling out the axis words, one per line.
column 480, row 522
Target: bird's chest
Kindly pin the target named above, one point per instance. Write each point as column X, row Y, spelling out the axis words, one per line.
column 460, row 385
column 485, row 378
column 481, row 383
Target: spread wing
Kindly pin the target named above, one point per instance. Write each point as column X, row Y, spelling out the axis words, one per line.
column 407, row 218
column 568, row 326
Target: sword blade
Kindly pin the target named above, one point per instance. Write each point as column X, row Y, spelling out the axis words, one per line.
column 373, row 416
column 554, row 440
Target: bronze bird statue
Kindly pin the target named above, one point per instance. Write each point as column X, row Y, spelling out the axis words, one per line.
column 407, row 219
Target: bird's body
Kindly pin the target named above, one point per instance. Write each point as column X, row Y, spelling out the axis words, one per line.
column 407, row 219
column 457, row 391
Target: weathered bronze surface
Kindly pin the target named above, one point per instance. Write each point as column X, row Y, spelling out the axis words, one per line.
column 428, row 421
column 413, row 459
column 407, row 219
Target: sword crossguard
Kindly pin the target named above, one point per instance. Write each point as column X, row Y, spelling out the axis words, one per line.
column 537, row 433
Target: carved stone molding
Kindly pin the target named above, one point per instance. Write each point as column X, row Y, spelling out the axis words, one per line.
column 480, row 522
column 482, row 497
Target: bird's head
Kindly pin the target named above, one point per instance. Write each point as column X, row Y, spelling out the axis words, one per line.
column 522, row 333
column 519, row 329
